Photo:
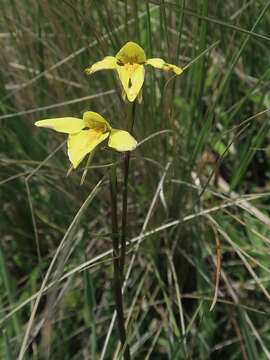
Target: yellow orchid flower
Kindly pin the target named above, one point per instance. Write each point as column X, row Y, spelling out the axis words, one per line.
column 86, row 133
column 129, row 63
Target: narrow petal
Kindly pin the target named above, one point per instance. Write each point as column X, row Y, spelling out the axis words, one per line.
column 94, row 120
column 132, row 78
column 108, row 63
column 161, row 64
column 131, row 53
column 121, row 140
column 81, row 144
column 68, row 125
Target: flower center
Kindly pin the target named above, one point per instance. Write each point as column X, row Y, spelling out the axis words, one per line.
column 125, row 59
column 97, row 127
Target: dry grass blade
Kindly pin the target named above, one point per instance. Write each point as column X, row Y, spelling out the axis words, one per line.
column 179, row 301
column 61, row 104
column 218, row 269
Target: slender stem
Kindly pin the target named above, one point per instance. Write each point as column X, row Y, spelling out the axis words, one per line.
column 124, row 214
column 117, row 275
column 180, row 31
column 126, row 20
column 125, row 197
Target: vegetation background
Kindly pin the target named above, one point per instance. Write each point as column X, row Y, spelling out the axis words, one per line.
column 199, row 207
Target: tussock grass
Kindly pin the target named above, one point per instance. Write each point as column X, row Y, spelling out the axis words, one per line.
column 198, row 191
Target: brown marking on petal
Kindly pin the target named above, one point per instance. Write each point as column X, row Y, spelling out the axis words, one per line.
column 167, row 67
column 88, row 71
column 127, row 59
column 97, row 126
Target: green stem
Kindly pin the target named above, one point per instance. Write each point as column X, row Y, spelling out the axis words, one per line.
column 125, row 198
column 126, row 20
column 116, row 269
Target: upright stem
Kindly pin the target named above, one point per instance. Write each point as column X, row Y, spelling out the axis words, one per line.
column 116, row 269
column 125, row 196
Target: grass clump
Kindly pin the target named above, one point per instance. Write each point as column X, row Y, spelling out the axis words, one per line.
column 198, row 208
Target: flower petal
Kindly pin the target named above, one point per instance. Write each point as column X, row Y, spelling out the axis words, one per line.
column 122, row 140
column 94, row 120
column 124, row 76
column 132, row 78
column 131, row 53
column 161, row 64
column 68, row 125
column 156, row 62
column 108, row 63
column 81, row 144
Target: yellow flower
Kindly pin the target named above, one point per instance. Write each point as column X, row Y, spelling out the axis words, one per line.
column 86, row 133
column 129, row 63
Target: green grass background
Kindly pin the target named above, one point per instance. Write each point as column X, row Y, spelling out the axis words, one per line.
column 199, row 182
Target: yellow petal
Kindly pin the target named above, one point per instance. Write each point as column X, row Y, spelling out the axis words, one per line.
column 68, row 125
column 81, row 144
column 131, row 53
column 108, row 63
column 161, row 64
column 94, row 120
column 156, row 62
column 132, row 78
column 121, row 140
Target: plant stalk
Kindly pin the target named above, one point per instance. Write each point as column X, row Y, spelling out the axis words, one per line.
column 125, row 197
column 116, row 269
